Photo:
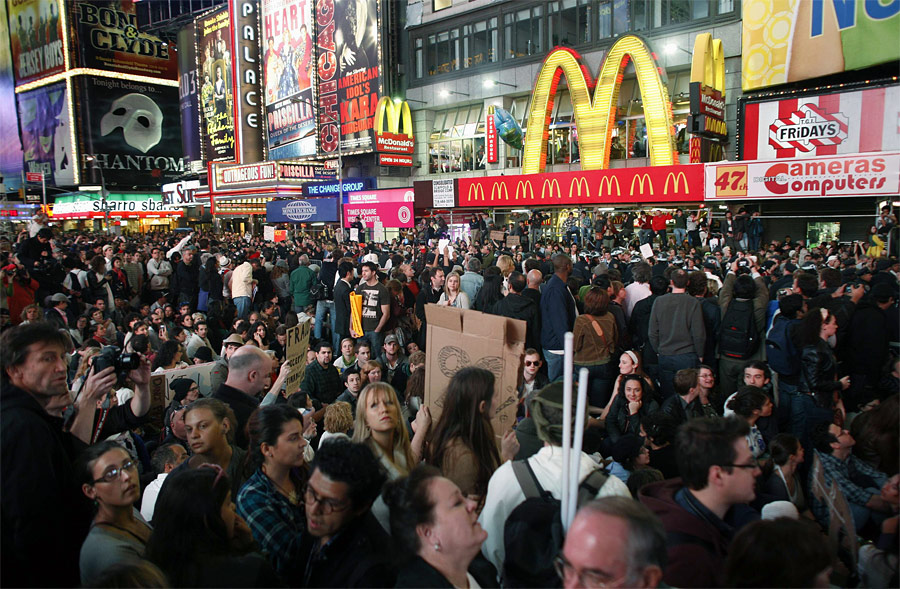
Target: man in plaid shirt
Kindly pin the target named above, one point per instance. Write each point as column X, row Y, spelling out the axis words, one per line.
column 322, row 381
column 859, row 482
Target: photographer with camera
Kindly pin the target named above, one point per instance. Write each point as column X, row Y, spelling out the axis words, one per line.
column 43, row 515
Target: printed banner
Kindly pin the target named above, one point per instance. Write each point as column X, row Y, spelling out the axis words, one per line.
column 314, row 210
column 36, row 38
column 109, row 39
column 319, row 189
column 46, row 135
column 132, row 130
column 657, row 184
column 839, row 176
column 85, row 206
column 216, row 89
column 391, row 214
column 189, row 93
column 349, row 71
column 790, row 40
column 11, row 156
column 288, row 65
column 248, row 108
column 824, row 125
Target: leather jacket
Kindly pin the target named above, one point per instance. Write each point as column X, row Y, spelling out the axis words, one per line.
column 818, row 372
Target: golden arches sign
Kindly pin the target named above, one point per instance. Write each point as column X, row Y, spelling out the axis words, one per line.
column 708, row 62
column 399, row 117
column 595, row 116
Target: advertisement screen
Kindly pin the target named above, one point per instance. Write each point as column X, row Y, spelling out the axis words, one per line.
column 216, row 87
column 189, row 93
column 46, row 137
column 132, row 130
column 288, row 74
column 391, row 214
column 314, row 210
column 349, row 68
column 786, row 41
column 10, row 148
column 36, row 38
column 109, row 39
column 823, row 125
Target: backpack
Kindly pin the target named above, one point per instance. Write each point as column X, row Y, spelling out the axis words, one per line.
column 533, row 533
column 738, row 337
column 781, row 353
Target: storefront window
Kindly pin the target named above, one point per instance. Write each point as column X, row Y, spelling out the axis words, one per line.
column 480, row 155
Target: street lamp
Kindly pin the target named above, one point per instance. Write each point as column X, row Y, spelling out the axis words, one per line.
column 96, row 166
column 493, row 83
column 340, row 174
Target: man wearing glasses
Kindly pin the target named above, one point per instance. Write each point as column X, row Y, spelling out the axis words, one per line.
column 703, row 509
column 348, row 547
column 532, row 380
column 613, row 542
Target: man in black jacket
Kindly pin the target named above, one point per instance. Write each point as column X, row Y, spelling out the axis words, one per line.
column 517, row 306
column 346, row 546
column 187, row 278
column 342, row 291
column 248, row 368
column 44, row 515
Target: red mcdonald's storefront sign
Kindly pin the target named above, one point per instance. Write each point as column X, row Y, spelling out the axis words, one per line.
column 654, row 184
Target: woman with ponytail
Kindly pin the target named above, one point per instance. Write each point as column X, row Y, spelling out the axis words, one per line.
column 270, row 500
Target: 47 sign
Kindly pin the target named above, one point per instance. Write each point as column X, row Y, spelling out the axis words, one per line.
column 731, row 181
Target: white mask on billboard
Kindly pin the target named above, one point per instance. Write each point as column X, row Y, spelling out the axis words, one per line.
column 140, row 119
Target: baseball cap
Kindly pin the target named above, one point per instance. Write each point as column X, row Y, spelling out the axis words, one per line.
column 391, row 339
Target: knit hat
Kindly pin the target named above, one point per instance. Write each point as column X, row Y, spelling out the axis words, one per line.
column 203, row 353
column 547, row 412
column 779, row 509
column 181, row 386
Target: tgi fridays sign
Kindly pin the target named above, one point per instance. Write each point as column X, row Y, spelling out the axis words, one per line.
column 263, row 174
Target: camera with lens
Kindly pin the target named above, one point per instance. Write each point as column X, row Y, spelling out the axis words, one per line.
column 122, row 362
column 743, row 266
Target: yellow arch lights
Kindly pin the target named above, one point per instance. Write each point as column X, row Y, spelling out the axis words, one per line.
column 595, row 116
column 399, row 117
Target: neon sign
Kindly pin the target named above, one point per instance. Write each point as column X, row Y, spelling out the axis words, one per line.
column 595, row 115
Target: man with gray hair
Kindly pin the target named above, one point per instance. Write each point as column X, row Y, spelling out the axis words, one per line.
column 248, row 369
column 302, row 279
column 613, row 542
column 471, row 282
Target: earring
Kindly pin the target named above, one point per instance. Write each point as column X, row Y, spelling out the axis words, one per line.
column 437, row 547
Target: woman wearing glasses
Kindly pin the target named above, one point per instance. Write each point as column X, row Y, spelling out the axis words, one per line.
column 199, row 540
column 437, row 530
column 118, row 533
column 270, row 501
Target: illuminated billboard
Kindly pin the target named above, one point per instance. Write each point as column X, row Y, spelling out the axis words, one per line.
column 214, row 53
column 36, row 38
column 109, row 39
column 47, row 134
column 10, row 147
column 594, row 103
column 791, row 40
column 248, row 106
column 288, row 66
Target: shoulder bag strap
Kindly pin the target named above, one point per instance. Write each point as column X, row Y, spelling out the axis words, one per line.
column 527, row 479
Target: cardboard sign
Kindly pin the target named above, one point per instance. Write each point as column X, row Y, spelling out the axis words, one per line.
column 378, row 232
column 841, row 530
column 297, row 344
column 161, row 394
column 497, row 235
column 513, row 240
column 646, row 251
column 269, row 233
column 354, row 234
column 458, row 338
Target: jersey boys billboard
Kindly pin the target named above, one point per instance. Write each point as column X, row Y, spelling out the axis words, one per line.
column 36, row 37
column 46, row 133
column 216, row 87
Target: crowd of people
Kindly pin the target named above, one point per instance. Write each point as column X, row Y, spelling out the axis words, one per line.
column 719, row 374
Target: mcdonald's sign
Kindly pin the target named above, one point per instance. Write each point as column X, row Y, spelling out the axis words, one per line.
column 642, row 181
column 399, row 137
column 549, row 185
column 608, row 182
column 677, row 178
column 595, row 115
column 707, row 99
column 654, row 184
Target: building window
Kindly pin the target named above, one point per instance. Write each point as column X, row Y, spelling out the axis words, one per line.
column 523, row 31
column 420, row 58
column 569, row 23
column 442, row 52
column 441, row 4
column 480, row 43
column 457, row 140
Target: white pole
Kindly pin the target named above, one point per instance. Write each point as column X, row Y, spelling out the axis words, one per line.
column 568, row 360
column 575, row 470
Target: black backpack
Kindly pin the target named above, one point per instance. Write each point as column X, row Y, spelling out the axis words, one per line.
column 738, row 337
column 781, row 353
column 533, row 533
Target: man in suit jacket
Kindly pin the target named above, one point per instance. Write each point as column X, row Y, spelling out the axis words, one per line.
column 342, row 291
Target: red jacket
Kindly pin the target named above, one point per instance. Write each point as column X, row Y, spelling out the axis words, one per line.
column 659, row 222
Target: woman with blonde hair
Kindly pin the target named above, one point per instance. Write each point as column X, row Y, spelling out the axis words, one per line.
column 338, row 421
column 371, row 371
column 506, row 265
column 84, row 367
column 453, row 296
column 379, row 425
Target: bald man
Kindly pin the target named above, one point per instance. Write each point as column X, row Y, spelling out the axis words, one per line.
column 248, row 369
column 533, row 290
column 613, row 542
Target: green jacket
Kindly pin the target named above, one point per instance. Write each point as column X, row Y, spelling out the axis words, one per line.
column 301, row 280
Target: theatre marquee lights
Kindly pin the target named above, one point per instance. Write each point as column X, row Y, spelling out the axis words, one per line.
column 595, row 115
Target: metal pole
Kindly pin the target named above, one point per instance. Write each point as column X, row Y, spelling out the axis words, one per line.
column 340, row 175
column 103, row 196
column 44, row 188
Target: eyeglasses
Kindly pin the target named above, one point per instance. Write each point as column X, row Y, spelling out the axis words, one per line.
column 586, row 578
column 111, row 475
column 752, row 465
column 532, row 362
column 310, row 497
